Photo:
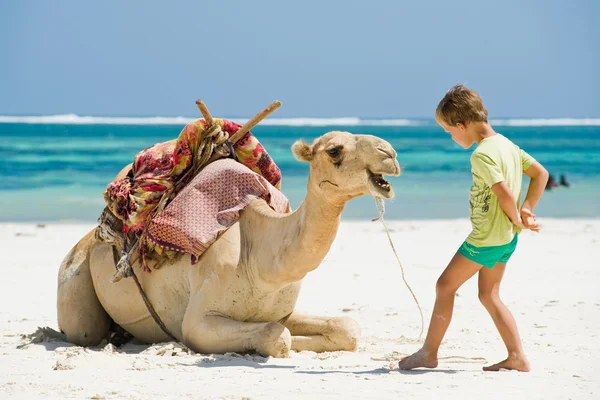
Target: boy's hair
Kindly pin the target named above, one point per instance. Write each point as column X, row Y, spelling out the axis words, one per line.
column 461, row 104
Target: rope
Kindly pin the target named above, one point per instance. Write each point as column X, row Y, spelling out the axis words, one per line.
column 213, row 140
column 151, row 309
column 381, row 210
column 463, row 358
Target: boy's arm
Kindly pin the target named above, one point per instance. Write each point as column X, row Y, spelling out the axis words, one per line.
column 537, row 185
column 508, row 203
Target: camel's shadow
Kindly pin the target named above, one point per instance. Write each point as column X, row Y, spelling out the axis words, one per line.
column 54, row 344
column 52, row 340
column 238, row 362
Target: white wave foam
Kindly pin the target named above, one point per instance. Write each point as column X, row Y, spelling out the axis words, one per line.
column 343, row 121
column 349, row 121
column 75, row 119
column 547, row 122
column 306, row 121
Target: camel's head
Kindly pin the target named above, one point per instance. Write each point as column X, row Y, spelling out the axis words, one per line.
column 344, row 165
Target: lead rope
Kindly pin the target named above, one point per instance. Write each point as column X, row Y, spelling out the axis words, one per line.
column 381, row 210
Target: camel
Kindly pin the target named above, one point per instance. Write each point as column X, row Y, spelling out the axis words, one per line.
column 240, row 295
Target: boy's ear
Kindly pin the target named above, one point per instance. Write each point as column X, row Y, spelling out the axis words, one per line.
column 302, row 151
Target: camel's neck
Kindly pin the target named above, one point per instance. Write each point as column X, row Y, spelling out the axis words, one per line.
column 284, row 249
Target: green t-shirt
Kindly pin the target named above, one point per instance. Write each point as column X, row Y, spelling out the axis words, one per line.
column 495, row 159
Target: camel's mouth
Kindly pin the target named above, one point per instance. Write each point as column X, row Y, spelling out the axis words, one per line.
column 379, row 186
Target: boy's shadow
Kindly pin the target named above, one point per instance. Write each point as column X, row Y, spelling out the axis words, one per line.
column 381, row 371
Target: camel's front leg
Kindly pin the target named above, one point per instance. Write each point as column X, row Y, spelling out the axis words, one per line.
column 218, row 334
column 215, row 334
column 320, row 334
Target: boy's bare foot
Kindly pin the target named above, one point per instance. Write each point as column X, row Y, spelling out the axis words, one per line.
column 517, row 363
column 420, row 359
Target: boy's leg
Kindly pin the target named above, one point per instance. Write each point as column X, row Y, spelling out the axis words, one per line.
column 489, row 294
column 458, row 271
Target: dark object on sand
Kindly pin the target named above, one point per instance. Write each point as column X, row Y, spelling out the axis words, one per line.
column 563, row 181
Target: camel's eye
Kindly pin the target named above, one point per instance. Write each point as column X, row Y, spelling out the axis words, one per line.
column 334, row 152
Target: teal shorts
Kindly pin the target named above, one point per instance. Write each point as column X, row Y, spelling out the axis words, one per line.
column 488, row 256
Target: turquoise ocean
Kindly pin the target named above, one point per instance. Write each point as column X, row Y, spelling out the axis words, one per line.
column 55, row 168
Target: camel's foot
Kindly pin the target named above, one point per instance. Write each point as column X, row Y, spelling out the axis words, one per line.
column 343, row 332
column 80, row 314
column 321, row 334
column 275, row 341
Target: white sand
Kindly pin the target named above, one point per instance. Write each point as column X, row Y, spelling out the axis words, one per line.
column 551, row 285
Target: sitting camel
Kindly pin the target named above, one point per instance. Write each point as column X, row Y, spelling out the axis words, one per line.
column 240, row 295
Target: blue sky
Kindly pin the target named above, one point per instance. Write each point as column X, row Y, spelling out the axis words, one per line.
column 392, row 59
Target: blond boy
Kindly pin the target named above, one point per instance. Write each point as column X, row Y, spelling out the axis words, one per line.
column 497, row 168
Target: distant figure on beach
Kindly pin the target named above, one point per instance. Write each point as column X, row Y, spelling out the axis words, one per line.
column 563, row 181
column 497, row 166
column 551, row 183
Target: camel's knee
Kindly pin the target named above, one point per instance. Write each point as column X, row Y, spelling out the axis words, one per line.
column 83, row 337
column 345, row 332
column 83, row 320
column 80, row 315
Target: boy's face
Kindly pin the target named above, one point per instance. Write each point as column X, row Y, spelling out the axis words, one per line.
column 459, row 134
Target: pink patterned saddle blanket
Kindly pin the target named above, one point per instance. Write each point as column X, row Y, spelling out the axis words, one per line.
column 209, row 205
column 163, row 166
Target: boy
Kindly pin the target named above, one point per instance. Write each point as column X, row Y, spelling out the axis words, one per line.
column 497, row 168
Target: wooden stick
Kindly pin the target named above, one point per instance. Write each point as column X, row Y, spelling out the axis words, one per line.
column 254, row 121
column 205, row 113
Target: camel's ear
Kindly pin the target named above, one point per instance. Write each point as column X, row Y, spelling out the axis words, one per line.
column 302, row 151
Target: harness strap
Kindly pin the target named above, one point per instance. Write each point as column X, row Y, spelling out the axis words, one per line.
column 151, row 310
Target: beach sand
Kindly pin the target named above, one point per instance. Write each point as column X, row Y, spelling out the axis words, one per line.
column 551, row 286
